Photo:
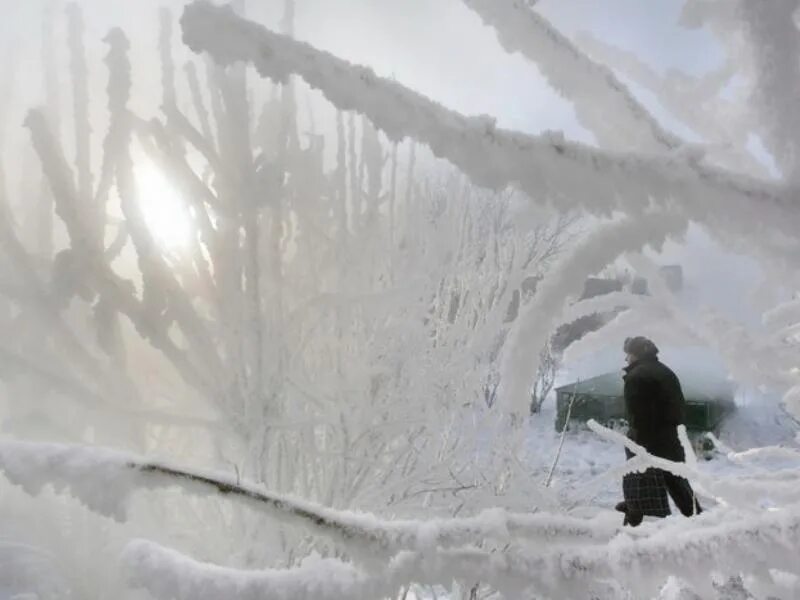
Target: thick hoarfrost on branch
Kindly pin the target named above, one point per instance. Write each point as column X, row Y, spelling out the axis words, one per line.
column 168, row 574
column 757, row 357
column 99, row 477
column 594, row 89
column 640, row 564
column 167, row 62
column 547, row 167
column 86, row 472
column 80, row 94
column 777, row 454
column 782, row 316
column 688, row 450
column 776, row 44
column 601, row 304
column 740, row 491
column 792, row 401
column 434, row 552
column 540, row 318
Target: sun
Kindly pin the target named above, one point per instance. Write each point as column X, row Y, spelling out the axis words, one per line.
column 163, row 208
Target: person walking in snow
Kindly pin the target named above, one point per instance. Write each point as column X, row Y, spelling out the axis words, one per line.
column 655, row 406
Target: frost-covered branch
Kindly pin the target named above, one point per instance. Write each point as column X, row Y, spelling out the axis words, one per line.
column 41, row 302
column 166, row 574
column 167, row 62
column 740, row 491
column 160, row 282
column 723, row 124
column 87, row 472
column 594, row 89
column 104, row 480
column 107, row 282
column 602, row 304
column 776, row 44
column 747, row 545
column 80, row 99
column 547, row 167
column 541, row 316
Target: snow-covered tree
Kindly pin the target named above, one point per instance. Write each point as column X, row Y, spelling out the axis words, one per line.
column 336, row 329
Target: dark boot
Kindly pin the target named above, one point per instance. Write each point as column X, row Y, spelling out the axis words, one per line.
column 633, row 518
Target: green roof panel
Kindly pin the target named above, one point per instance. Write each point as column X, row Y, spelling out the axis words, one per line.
column 708, row 401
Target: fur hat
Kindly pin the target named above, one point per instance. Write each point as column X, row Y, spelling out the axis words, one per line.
column 640, row 347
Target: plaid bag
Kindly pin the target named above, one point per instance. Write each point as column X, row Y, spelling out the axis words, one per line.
column 646, row 493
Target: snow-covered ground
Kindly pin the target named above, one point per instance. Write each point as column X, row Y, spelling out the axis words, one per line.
column 758, row 422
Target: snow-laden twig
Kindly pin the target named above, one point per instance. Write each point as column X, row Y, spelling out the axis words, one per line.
column 699, row 102
column 791, row 400
column 167, row 61
column 749, row 356
column 41, row 302
column 547, row 167
column 85, row 471
column 776, row 43
column 593, row 87
column 199, row 104
column 424, row 551
column 80, row 99
column 541, row 316
column 739, row 491
column 688, row 450
column 754, row 458
column 736, row 544
column 107, row 282
column 783, row 315
column 719, row 444
column 167, row 574
column 160, row 284
column 602, row 304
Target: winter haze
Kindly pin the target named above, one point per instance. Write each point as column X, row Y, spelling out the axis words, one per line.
column 327, row 298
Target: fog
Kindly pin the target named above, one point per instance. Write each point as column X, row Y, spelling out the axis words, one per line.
column 287, row 287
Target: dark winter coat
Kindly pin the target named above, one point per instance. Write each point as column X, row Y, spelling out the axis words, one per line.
column 655, row 406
